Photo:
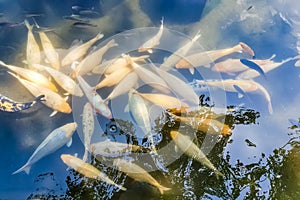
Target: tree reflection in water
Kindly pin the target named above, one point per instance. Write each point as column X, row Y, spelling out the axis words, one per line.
column 271, row 177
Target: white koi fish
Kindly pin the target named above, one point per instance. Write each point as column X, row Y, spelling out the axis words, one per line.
column 163, row 100
column 110, row 66
column 92, row 60
column 191, row 150
column 88, row 123
column 232, row 66
column 67, row 83
column 87, row 170
column 136, row 172
column 33, row 54
column 78, row 52
column 55, row 140
column 149, row 77
column 139, row 111
column 208, row 57
column 232, row 85
column 148, row 45
column 114, row 78
column 50, row 52
column 251, row 73
column 124, row 86
column 178, row 86
column 176, row 56
column 32, row 76
column 52, row 99
column 113, row 149
column 94, row 98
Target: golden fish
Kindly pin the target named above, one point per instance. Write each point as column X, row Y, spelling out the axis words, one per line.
column 124, row 86
column 87, row 169
column 79, row 51
column 163, row 100
column 136, row 172
column 110, row 66
column 206, row 125
column 176, row 56
column 114, row 78
column 33, row 54
column 191, row 150
column 92, row 60
column 32, row 76
column 147, row 46
column 205, row 58
column 52, row 99
column 9, row 105
column 50, row 52
column 67, row 83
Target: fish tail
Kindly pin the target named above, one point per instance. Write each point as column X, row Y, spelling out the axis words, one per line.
column 25, row 168
column 247, row 49
column 29, row 27
column 162, row 189
column 111, row 43
column 40, row 98
column 218, row 174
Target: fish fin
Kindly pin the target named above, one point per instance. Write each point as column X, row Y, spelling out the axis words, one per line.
column 297, row 64
column 53, row 113
column 25, row 168
column 270, row 108
column 192, row 70
column 162, row 189
column 240, row 95
column 218, row 174
column 69, row 143
column 126, row 109
column 272, row 57
column 197, row 36
column 150, row 51
column 40, row 98
column 29, row 27
column 176, row 148
column 121, row 187
column 239, row 90
column 85, row 155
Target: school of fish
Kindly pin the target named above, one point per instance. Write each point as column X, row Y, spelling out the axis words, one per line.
column 44, row 76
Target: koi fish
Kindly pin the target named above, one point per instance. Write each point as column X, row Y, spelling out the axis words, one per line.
column 147, row 46
column 32, row 76
column 67, row 83
column 178, row 86
column 88, row 123
column 208, row 57
column 191, row 150
column 230, row 85
column 92, row 60
column 33, row 54
column 87, row 169
column 232, row 66
column 113, row 149
column 136, row 172
column 176, row 56
column 78, row 52
column 139, row 111
column 55, row 140
column 250, row 73
column 206, row 125
column 114, row 78
column 149, row 77
column 111, row 66
column 52, row 99
column 50, row 52
column 162, row 100
column 124, row 86
column 94, row 98
column 9, row 105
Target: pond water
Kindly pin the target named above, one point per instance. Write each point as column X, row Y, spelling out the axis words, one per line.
column 259, row 159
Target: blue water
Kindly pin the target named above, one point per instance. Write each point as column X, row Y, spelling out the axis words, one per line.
column 21, row 133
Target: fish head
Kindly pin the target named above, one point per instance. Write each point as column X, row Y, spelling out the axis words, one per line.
column 66, row 158
column 64, row 107
column 226, row 130
column 70, row 128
